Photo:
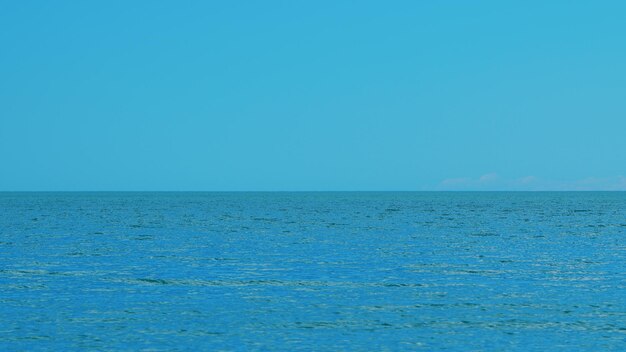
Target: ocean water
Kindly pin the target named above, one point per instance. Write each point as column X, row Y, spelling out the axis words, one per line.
column 313, row 271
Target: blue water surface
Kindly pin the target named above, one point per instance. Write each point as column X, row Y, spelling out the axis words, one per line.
column 313, row 271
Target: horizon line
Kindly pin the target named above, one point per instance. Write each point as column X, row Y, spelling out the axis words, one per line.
column 312, row 191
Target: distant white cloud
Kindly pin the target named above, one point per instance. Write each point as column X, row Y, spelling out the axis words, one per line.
column 600, row 184
column 526, row 180
column 456, row 181
column 492, row 181
column 485, row 181
column 491, row 177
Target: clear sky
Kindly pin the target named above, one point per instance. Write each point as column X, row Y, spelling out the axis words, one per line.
column 316, row 95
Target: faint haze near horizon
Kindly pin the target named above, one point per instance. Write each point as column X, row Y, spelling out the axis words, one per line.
column 493, row 182
column 330, row 95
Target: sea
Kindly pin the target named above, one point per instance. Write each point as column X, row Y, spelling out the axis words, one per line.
column 319, row 271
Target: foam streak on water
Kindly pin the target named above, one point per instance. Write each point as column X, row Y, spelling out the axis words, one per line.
column 323, row 271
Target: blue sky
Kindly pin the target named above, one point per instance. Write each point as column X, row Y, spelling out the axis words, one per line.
column 319, row 95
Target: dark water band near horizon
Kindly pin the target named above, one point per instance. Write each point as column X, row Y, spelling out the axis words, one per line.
column 313, row 271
